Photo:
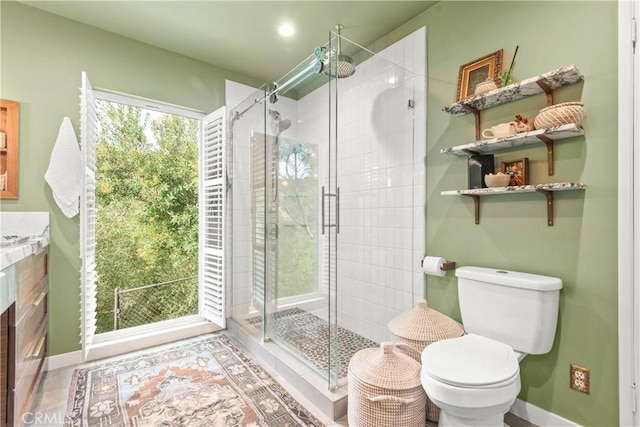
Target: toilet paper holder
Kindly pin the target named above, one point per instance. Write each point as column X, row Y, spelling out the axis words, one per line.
column 447, row 266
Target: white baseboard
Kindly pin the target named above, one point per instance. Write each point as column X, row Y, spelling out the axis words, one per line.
column 150, row 338
column 130, row 343
column 539, row 416
column 64, row 360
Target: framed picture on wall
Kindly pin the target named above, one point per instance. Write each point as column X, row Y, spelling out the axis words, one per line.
column 518, row 169
column 9, row 111
column 474, row 72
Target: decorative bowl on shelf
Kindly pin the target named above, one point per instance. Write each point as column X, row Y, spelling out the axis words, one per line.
column 560, row 114
column 485, row 86
column 498, row 180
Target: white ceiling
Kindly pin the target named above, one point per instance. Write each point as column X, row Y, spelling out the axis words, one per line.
column 240, row 36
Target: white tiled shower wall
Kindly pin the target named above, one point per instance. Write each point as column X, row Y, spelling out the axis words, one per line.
column 381, row 161
column 381, row 158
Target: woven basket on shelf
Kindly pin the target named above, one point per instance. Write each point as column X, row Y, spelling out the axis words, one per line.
column 414, row 330
column 560, row 114
column 385, row 389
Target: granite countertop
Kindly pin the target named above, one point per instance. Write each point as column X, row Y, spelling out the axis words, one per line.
column 22, row 234
column 10, row 255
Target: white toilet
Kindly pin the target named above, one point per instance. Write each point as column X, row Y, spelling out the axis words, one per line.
column 474, row 379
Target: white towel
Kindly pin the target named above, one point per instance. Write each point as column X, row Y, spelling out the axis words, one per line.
column 64, row 174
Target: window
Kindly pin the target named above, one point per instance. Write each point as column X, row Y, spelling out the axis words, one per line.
column 152, row 213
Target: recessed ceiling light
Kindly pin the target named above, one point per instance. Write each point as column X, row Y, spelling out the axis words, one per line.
column 286, row 30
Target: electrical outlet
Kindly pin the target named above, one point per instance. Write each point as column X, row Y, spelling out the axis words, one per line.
column 579, row 378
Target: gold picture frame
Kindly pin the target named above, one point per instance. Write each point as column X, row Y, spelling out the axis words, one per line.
column 518, row 169
column 472, row 73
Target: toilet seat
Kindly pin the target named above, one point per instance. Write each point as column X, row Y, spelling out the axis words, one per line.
column 471, row 361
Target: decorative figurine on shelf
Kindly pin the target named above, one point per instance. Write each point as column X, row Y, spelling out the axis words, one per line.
column 522, row 124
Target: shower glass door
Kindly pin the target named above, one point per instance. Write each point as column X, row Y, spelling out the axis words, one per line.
column 335, row 185
column 292, row 170
column 374, row 198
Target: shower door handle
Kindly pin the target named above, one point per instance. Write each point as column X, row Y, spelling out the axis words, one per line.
column 337, row 196
column 322, row 209
column 337, row 210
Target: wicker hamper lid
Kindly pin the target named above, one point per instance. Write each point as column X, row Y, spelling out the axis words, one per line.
column 422, row 323
column 382, row 367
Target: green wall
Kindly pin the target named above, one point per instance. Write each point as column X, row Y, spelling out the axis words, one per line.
column 581, row 248
column 42, row 57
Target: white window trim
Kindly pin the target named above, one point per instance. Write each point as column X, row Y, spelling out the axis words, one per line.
column 136, row 101
column 628, row 213
column 131, row 339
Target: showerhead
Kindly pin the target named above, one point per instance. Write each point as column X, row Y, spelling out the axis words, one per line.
column 284, row 125
column 280, row 124
column 275, row 115
column 339, row 65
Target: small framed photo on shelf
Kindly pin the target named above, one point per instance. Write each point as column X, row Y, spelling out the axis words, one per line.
column 472, row 73
column 518, row 169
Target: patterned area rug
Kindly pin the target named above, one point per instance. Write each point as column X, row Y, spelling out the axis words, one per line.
column 307, row 335
column 199, row 382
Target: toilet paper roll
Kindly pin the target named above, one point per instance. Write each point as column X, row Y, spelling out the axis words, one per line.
column 432, row 265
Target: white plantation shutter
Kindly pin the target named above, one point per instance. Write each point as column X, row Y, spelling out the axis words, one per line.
column 212, row 204
column 88, row 277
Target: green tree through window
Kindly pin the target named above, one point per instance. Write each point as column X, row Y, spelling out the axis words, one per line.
column 147, row 215
column 298, row 210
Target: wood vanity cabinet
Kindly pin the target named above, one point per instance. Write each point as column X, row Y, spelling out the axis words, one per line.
column 30, row 327
column 7, row 361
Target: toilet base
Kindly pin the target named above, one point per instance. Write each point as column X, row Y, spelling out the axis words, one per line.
column 450, row 420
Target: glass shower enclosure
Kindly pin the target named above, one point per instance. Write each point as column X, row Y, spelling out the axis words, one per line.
column 327, row 205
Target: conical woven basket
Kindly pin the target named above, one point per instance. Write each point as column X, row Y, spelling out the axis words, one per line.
column 385, row 389
column 414, row 330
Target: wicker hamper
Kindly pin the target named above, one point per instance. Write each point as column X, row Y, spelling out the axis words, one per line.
column 384, row 389
column 416, row 329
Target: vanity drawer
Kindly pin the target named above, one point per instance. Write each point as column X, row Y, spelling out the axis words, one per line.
column 28, row 329
column 29, row 363
column 29, row 377
column 31, row 271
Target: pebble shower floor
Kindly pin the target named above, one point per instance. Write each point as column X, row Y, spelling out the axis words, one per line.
column 307, row 335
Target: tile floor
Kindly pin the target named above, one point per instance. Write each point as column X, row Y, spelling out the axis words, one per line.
column 50, row 402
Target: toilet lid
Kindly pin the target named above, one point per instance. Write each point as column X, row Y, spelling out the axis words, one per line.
column 470, row 360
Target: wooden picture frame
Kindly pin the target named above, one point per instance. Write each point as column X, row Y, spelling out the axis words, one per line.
column 518, row 169
column 9, row 122
column 474, row 72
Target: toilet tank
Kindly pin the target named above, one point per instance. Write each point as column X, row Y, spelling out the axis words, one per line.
column 518, row 309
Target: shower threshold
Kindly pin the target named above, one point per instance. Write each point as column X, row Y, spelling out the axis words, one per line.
column 309, row 378
column 307, row 336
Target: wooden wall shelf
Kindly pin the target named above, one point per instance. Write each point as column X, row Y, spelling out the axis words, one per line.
column 9, row 126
